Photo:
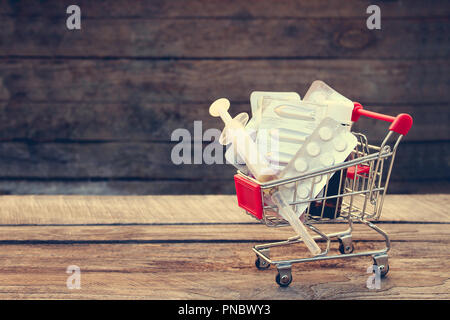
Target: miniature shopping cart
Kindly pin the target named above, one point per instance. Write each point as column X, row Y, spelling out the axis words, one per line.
column 359, row 186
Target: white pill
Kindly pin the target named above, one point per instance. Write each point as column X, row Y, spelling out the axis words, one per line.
column 327, row 159
column 301, row 165
column 303, row 192
column 340, row 145
column 325, row 133
column 317, row 179
column 313, row 149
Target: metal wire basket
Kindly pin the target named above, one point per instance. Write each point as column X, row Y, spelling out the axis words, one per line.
column 354, row 191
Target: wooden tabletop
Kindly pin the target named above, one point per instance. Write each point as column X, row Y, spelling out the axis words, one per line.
column 199, row 247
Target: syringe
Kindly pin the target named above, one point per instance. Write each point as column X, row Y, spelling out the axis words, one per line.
column 287, row 213
column 234, row 132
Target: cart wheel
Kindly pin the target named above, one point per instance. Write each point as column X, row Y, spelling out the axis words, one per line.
column 285, row 280
column 383, row 270
column 261, row 264
column 383, row 262
column 346, row 249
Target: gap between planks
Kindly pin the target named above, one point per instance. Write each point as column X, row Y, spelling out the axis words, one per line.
column 215, row 233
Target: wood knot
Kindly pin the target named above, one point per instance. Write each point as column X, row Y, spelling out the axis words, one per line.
column 354, row 39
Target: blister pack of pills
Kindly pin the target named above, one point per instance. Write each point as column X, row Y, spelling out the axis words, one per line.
column 319, row 91
column 281, row 122
column 284, row 127
column 339, row 107
column 329, row 145
column 259, row 100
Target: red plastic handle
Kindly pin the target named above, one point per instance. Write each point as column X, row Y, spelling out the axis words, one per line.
column 400, row 124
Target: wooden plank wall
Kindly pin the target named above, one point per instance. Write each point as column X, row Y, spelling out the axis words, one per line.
column 92, row 111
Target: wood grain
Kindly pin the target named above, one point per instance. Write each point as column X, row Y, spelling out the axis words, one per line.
column 153, row 121
column 368, row 81
column 153, row 161
column 202, row 233
column 225, row 38
column 67, row 210
column 200, row 248
column 135, row 73
column 213, row 271
column 231, row 8
column 125, row 186
column 92, row 112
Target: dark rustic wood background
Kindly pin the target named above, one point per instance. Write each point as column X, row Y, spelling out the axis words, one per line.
column 91, row 111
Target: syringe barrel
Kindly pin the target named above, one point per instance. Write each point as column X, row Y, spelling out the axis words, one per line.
column 248, row 151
